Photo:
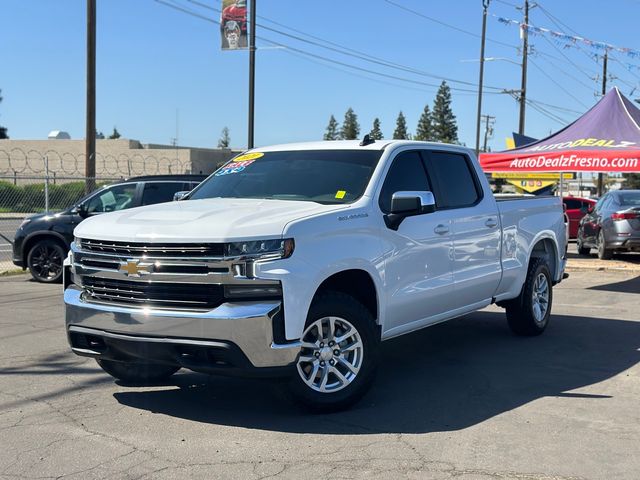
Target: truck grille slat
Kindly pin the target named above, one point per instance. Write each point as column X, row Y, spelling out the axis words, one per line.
column 162, row 250
column 158, row 295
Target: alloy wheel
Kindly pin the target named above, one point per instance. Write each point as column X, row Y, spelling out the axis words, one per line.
column 331, row 356
column 46, row 261
column 540, row 297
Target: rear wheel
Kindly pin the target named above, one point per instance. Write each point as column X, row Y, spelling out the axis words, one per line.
column 134, row 372
column 604, row 253
column 45, row 261
column 339, row 354
column 529, row 314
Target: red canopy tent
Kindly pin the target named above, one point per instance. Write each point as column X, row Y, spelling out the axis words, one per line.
column 605, row 139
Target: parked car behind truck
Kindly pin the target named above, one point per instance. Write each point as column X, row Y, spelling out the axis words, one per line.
column 42, row 241
column 611, row 225
column 300, row 259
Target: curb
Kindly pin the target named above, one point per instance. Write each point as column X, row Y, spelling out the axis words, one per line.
column 599, row 268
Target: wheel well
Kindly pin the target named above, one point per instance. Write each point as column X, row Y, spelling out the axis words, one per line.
column 35, row 239
column 356, row 283
column 547, row 250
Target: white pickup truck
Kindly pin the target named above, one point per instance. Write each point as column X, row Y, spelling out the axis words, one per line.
column 300, row 259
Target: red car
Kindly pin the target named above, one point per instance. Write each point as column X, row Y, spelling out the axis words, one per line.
column 576, row 209
column 236, row 12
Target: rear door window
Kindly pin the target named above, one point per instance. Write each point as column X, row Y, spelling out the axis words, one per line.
column 113, row 198
column 454, row 179
column 160, row 192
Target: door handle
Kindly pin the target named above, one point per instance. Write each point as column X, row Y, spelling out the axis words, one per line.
column 441, row 229
column 491, row 222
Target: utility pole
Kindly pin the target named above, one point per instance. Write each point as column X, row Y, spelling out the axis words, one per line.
column 525, row 54
column 90, row 134
column 252, row 71
column 600, row 187
column 485, row 6
column 488, row 129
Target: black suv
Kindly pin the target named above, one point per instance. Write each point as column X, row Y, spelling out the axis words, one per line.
column 42, row 241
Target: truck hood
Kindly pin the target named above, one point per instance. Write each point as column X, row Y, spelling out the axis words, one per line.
column 210, row 220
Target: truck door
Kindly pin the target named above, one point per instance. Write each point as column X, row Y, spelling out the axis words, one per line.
column 475, row 226
column 418, row 271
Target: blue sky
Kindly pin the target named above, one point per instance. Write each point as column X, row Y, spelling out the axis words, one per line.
column 153, row 61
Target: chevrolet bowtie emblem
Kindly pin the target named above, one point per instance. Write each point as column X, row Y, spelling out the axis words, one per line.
column 133, row 268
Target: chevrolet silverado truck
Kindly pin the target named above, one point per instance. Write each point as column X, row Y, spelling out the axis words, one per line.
column 300, row 259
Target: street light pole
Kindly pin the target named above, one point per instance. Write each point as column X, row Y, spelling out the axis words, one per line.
column 525, row 53
column 600, row 186
column 90, row 133
column 252, row 72
column 485, row 6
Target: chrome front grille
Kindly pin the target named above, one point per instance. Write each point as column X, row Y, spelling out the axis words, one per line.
column 137, row 249
column 162, row 276
column 153, row 295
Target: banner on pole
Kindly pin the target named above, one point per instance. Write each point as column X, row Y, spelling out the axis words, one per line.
column 233, row 25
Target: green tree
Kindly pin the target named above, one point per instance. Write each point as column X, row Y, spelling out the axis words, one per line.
column 424, row 131
column 376, row 132
column 400, row 133
column 225, row 140
column 445, row 126
column 350, row 127
column 115, row 135
column 3, row 130
column 332, row 132
column 632, row 180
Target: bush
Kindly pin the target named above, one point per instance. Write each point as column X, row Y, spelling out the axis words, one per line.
column 31, row 198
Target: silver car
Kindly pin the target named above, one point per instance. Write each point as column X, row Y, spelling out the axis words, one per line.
column 612, row 225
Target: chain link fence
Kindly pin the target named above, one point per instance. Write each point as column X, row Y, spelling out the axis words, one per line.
column 34, row 182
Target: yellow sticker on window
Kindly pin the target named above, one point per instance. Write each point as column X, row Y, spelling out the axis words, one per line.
column 340, row 194
column 248, row 156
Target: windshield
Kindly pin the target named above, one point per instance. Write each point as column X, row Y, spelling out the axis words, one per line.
column 323, row 176
column 630, row 199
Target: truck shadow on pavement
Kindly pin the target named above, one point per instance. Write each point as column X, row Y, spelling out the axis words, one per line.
column 631, row 285
column 447, row 377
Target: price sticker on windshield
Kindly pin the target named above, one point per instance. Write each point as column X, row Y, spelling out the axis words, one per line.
column 248, row 156
column 238, row 164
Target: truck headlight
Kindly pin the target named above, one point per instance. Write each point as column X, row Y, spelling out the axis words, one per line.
column 259, row 248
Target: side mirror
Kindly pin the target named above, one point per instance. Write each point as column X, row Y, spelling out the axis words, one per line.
column 180, row 195
column 408, row 204
column 82, row 210
column 590, row 209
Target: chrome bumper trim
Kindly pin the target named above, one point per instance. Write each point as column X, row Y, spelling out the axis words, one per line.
column 249, row 325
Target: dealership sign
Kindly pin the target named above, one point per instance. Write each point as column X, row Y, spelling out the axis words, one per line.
column 605, row 139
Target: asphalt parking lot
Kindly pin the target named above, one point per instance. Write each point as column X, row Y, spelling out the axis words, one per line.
column 463, row 400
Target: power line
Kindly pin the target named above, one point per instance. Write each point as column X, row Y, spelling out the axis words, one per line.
column 553, row 80
column 440, row 22
column 317, row 56
column 573, row 77
column 546, row 113
column 562, row 109
column 350, row 52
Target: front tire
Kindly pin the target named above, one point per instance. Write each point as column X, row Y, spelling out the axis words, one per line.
column 44, row 261
column 604, row 253
column 582, row 250
column 339, row 355
column 529, row 314
column 139, row 373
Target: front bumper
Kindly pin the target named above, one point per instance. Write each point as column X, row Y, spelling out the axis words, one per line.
column 16, row 248
column 234, row 338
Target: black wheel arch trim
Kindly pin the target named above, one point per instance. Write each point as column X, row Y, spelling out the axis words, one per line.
column 41, row 235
